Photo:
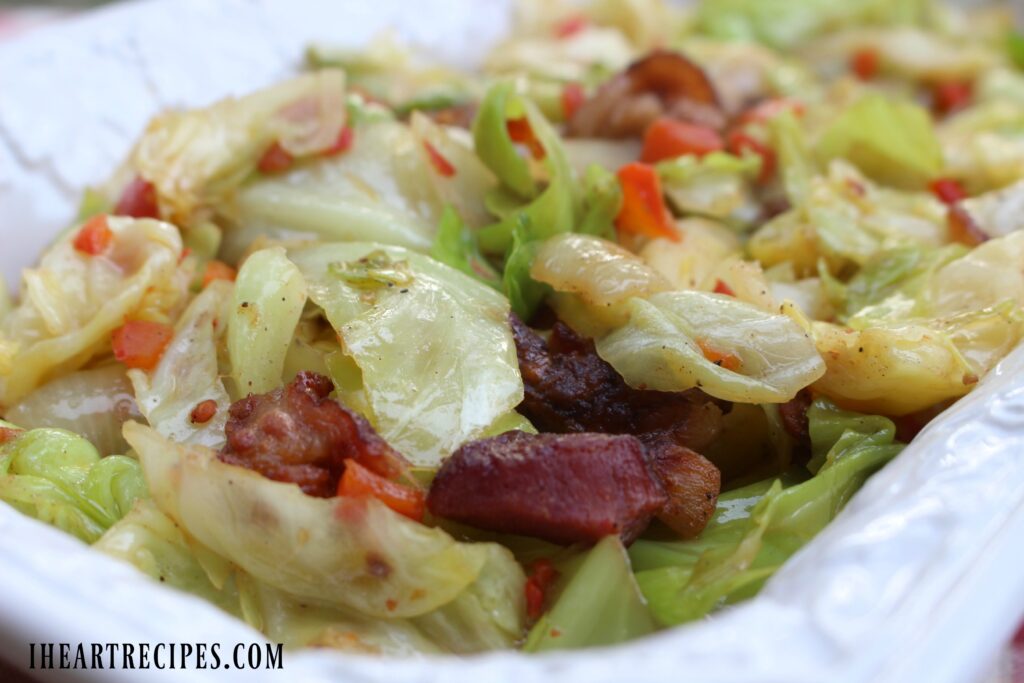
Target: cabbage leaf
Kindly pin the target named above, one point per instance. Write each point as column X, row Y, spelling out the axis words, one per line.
column 269, row 296
column 758, row 527
column 188, row 373
column 351, row 554
column 464, row 374
column 664, row 347
column 59, row 478
column 72, row 301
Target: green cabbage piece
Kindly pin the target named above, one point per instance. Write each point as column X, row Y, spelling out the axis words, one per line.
column 796, row 162
column 523, row 292
column 599, row 604
column 349, row 555
column 71, row 302
column 494, row 145
column 454, row 246
column 846, row 219
column 554, row 210
column 895, row 283
column 374, row 191
column 890, row 140
column 661, row 348
column 269, row 296
column 464, row 374
column 59, row 478
column 716, row 185
column 602, row 199
column 152, row 542
column 188, row 373
column 758, row 527
column 788, row 23
column 197, row 159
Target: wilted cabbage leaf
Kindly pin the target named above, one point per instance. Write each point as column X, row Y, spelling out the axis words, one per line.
column 671, row 339
column 352, row 554
column 72, row 301
column 374, row 191
column 716, row 185
column 890, row 140
column 758, row 527
column 195, row 159
column 599, row 604
column 59, row 478
column 897, row 368
column 269, row 296
column 464, row 373
column 188, row 373
column 93, row 403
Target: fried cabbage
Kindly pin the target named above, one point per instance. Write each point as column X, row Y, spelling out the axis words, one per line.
column 464, row 374
column 665, row 346
column 73, row 301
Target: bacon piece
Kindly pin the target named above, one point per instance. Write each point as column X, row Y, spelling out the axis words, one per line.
column 297, row 434
column 664, row 83
column 565, row 488
column 569, row 388
column 692, row 483
column 793, row 414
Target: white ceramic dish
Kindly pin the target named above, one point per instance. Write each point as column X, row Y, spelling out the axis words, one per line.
column 918, row 580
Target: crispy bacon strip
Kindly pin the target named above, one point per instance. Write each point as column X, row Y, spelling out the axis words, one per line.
column 569, row 388
column 297, row 434
column 664, row 83
column 565, row 488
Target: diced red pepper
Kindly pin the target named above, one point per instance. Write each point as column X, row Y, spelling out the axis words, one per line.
column 864, row 63
column 948, row 190
column 359, row 481
column 738, row 141
column 520, row 131
column 643, row 210
column 440, row 164
column 952, row 96
column 542, row 576
column 138, row 200
column 275, row 160
column 218, row 270
column 963, row 228
column 722, row 288
column 724, row 359
column 95, row 236
column 573, row 97
column 769, row 109
column 204, row 411
column 571, row 25
column 342, row 144
column 8, row 434
column 667, row 138
column 139, row 344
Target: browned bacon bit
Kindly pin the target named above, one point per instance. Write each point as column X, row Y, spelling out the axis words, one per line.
column 297, row 434
column 204, row 411
column 565, row 488
column 664, row 83
column 793, row 414
column 569, row 388
column 692, row 483
column 963, row 228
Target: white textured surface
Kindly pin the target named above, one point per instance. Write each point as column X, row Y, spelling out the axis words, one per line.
column 918, row 580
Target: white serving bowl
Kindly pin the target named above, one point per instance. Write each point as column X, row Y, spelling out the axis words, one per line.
column 919, row 579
